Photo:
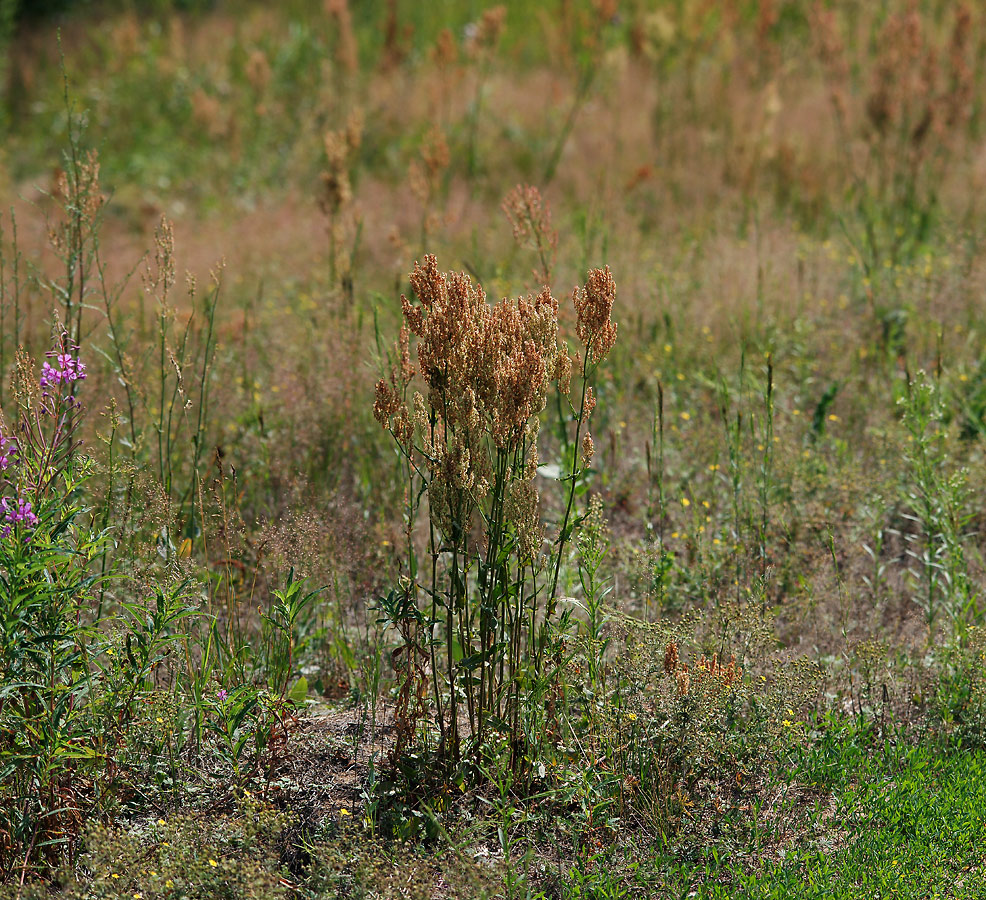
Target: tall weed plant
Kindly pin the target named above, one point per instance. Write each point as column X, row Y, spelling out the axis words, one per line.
column 476, row 609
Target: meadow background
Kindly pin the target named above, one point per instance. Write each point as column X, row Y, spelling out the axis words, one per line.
column 256, row 645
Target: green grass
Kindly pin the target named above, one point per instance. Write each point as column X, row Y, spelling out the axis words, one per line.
column 896, row 820
column 913, row 820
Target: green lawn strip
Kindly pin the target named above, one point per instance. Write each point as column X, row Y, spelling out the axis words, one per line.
column 906, row 822
column 912, row 822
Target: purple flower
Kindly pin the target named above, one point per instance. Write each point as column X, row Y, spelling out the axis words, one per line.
column 8, row 450
column 49, row 375
column 222, row 695
column 22, row 512
column 71, row 369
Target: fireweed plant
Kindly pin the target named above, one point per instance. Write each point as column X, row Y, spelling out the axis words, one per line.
column 45, row 583
column 74, row 683
column 477, row 612
column 32, row 457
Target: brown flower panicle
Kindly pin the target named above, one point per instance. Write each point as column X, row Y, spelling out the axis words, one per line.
column 593, row 308
column 670, row 657
column 715, row 671
column 257, row 70
column 340, row 148
column 530, row 221
column 683, row 682
column 487, row 368
column 347, row 51
column 588, row 449
column 484, row 35
column 445, row 54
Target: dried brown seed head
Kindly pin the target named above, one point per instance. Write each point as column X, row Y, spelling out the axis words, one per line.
column 593, row 308
column 670, row 657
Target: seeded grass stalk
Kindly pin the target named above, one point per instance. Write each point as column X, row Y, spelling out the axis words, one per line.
column 766, row 465
column 75, row 238
column 482, row 48
column 660, row 567
column 224, row 496
column 121, row 361
column 336, row 200
column 173, row 416
column 10, row 295
column 592, row 544
column 733, row 426
column 470, row 448
column 938, row 502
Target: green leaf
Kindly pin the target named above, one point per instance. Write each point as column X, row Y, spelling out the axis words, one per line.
column 299, row 692
column 471, row 662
